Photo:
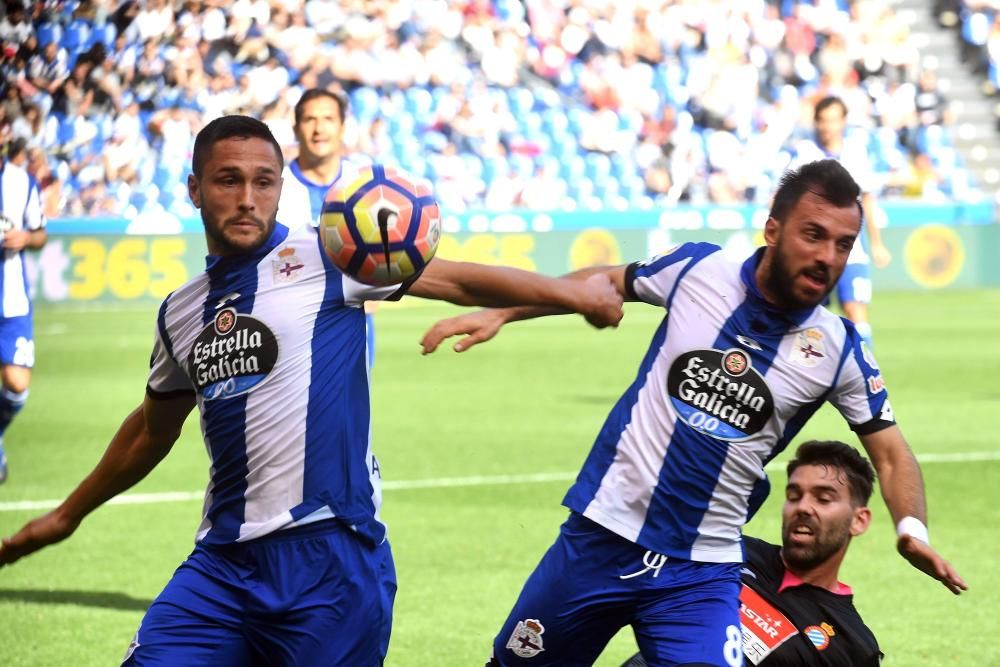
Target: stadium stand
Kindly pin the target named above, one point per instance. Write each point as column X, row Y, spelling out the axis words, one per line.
column 612, row 105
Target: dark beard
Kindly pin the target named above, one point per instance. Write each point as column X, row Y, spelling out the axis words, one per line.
column 823, row 547
column 779, row 282
column 212, row 229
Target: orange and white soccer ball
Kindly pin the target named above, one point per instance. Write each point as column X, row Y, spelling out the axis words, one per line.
column 382, row 226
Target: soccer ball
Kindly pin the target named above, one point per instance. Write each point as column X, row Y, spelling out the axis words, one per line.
column 381, row 227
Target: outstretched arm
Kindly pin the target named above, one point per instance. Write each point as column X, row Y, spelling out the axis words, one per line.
column 469, row 284
column 143, row 439
column 903, row 491
column 483, row 325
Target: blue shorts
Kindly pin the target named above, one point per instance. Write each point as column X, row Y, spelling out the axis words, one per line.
column 591, row 583
column 17, row 343
column 855, row 284
column 314, row 595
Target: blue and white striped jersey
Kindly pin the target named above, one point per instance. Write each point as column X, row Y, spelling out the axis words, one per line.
column 302, row 199
column 20, row 208
column 273, row 345
column 727, row 383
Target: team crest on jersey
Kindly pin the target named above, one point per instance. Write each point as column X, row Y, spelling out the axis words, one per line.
column 526, row 640
column 288, row 267
column 808, row 349
column 720, row 393
column 6, row 223
column 819, row 635
column 232, row 355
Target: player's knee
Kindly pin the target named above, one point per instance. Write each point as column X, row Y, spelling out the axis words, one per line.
column 16, row 380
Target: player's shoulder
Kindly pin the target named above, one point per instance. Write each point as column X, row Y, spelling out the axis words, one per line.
column 685, row 252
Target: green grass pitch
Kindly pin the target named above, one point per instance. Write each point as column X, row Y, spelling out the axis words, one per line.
column 527, row 403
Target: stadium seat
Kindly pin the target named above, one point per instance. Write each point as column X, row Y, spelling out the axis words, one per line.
column 365, row 104
column 521, row 101
column 76, row 38
column 494, row 166
column 419, row 103
column 105, row 34
column 47, row 32
column 572, row 168
column 597, row 166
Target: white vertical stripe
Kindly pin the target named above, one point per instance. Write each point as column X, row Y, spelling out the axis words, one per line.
column 15, row 292
column 276, row 455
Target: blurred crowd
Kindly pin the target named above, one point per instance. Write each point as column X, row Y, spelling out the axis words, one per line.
column 977, row 24
column 546, row 104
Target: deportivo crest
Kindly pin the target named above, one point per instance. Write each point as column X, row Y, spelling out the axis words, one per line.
column 526, row 640
column 232, row 355
column 287, row 268
column 720, row 393
column 808, row 349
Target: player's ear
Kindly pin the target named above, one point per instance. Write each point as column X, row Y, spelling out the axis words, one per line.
column 194, row 191
column 772, row 229
column 862, row 519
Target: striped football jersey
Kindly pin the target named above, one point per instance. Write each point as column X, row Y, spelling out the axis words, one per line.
column 727, row 383
column 273, row 346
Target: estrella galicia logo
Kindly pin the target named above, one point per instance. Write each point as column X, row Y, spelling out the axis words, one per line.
column 232, row 355
column 720, row 393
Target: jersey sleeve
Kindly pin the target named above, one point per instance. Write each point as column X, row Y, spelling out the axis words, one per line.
column 166, row 376
column 356, row 293
column 860, row 393
column 654, row 279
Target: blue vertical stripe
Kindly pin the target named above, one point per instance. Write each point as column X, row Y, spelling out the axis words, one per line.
column 326, row 463
column 225, row 418
column 602, row 454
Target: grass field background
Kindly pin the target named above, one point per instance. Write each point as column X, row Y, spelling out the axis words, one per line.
column 527, row 404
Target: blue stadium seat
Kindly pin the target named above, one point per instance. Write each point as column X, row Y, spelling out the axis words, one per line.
column 48, row 31
column 555, row 123
column 401, row 125
column 597, row 166
column 547, row 98
column 419, row 103
column 494, row 166
column 365, row 103
column 521, row 101
column 105, row 34
column 76, row 38
column 572, row 168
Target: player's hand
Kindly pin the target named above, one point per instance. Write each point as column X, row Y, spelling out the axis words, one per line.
column 478, row 327
column 924, row 558
column 15, row 239
column 37, row 533
column 881, row 255
column 603, row 308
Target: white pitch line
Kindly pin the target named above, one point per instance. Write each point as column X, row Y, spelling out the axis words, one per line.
column 438, row 483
